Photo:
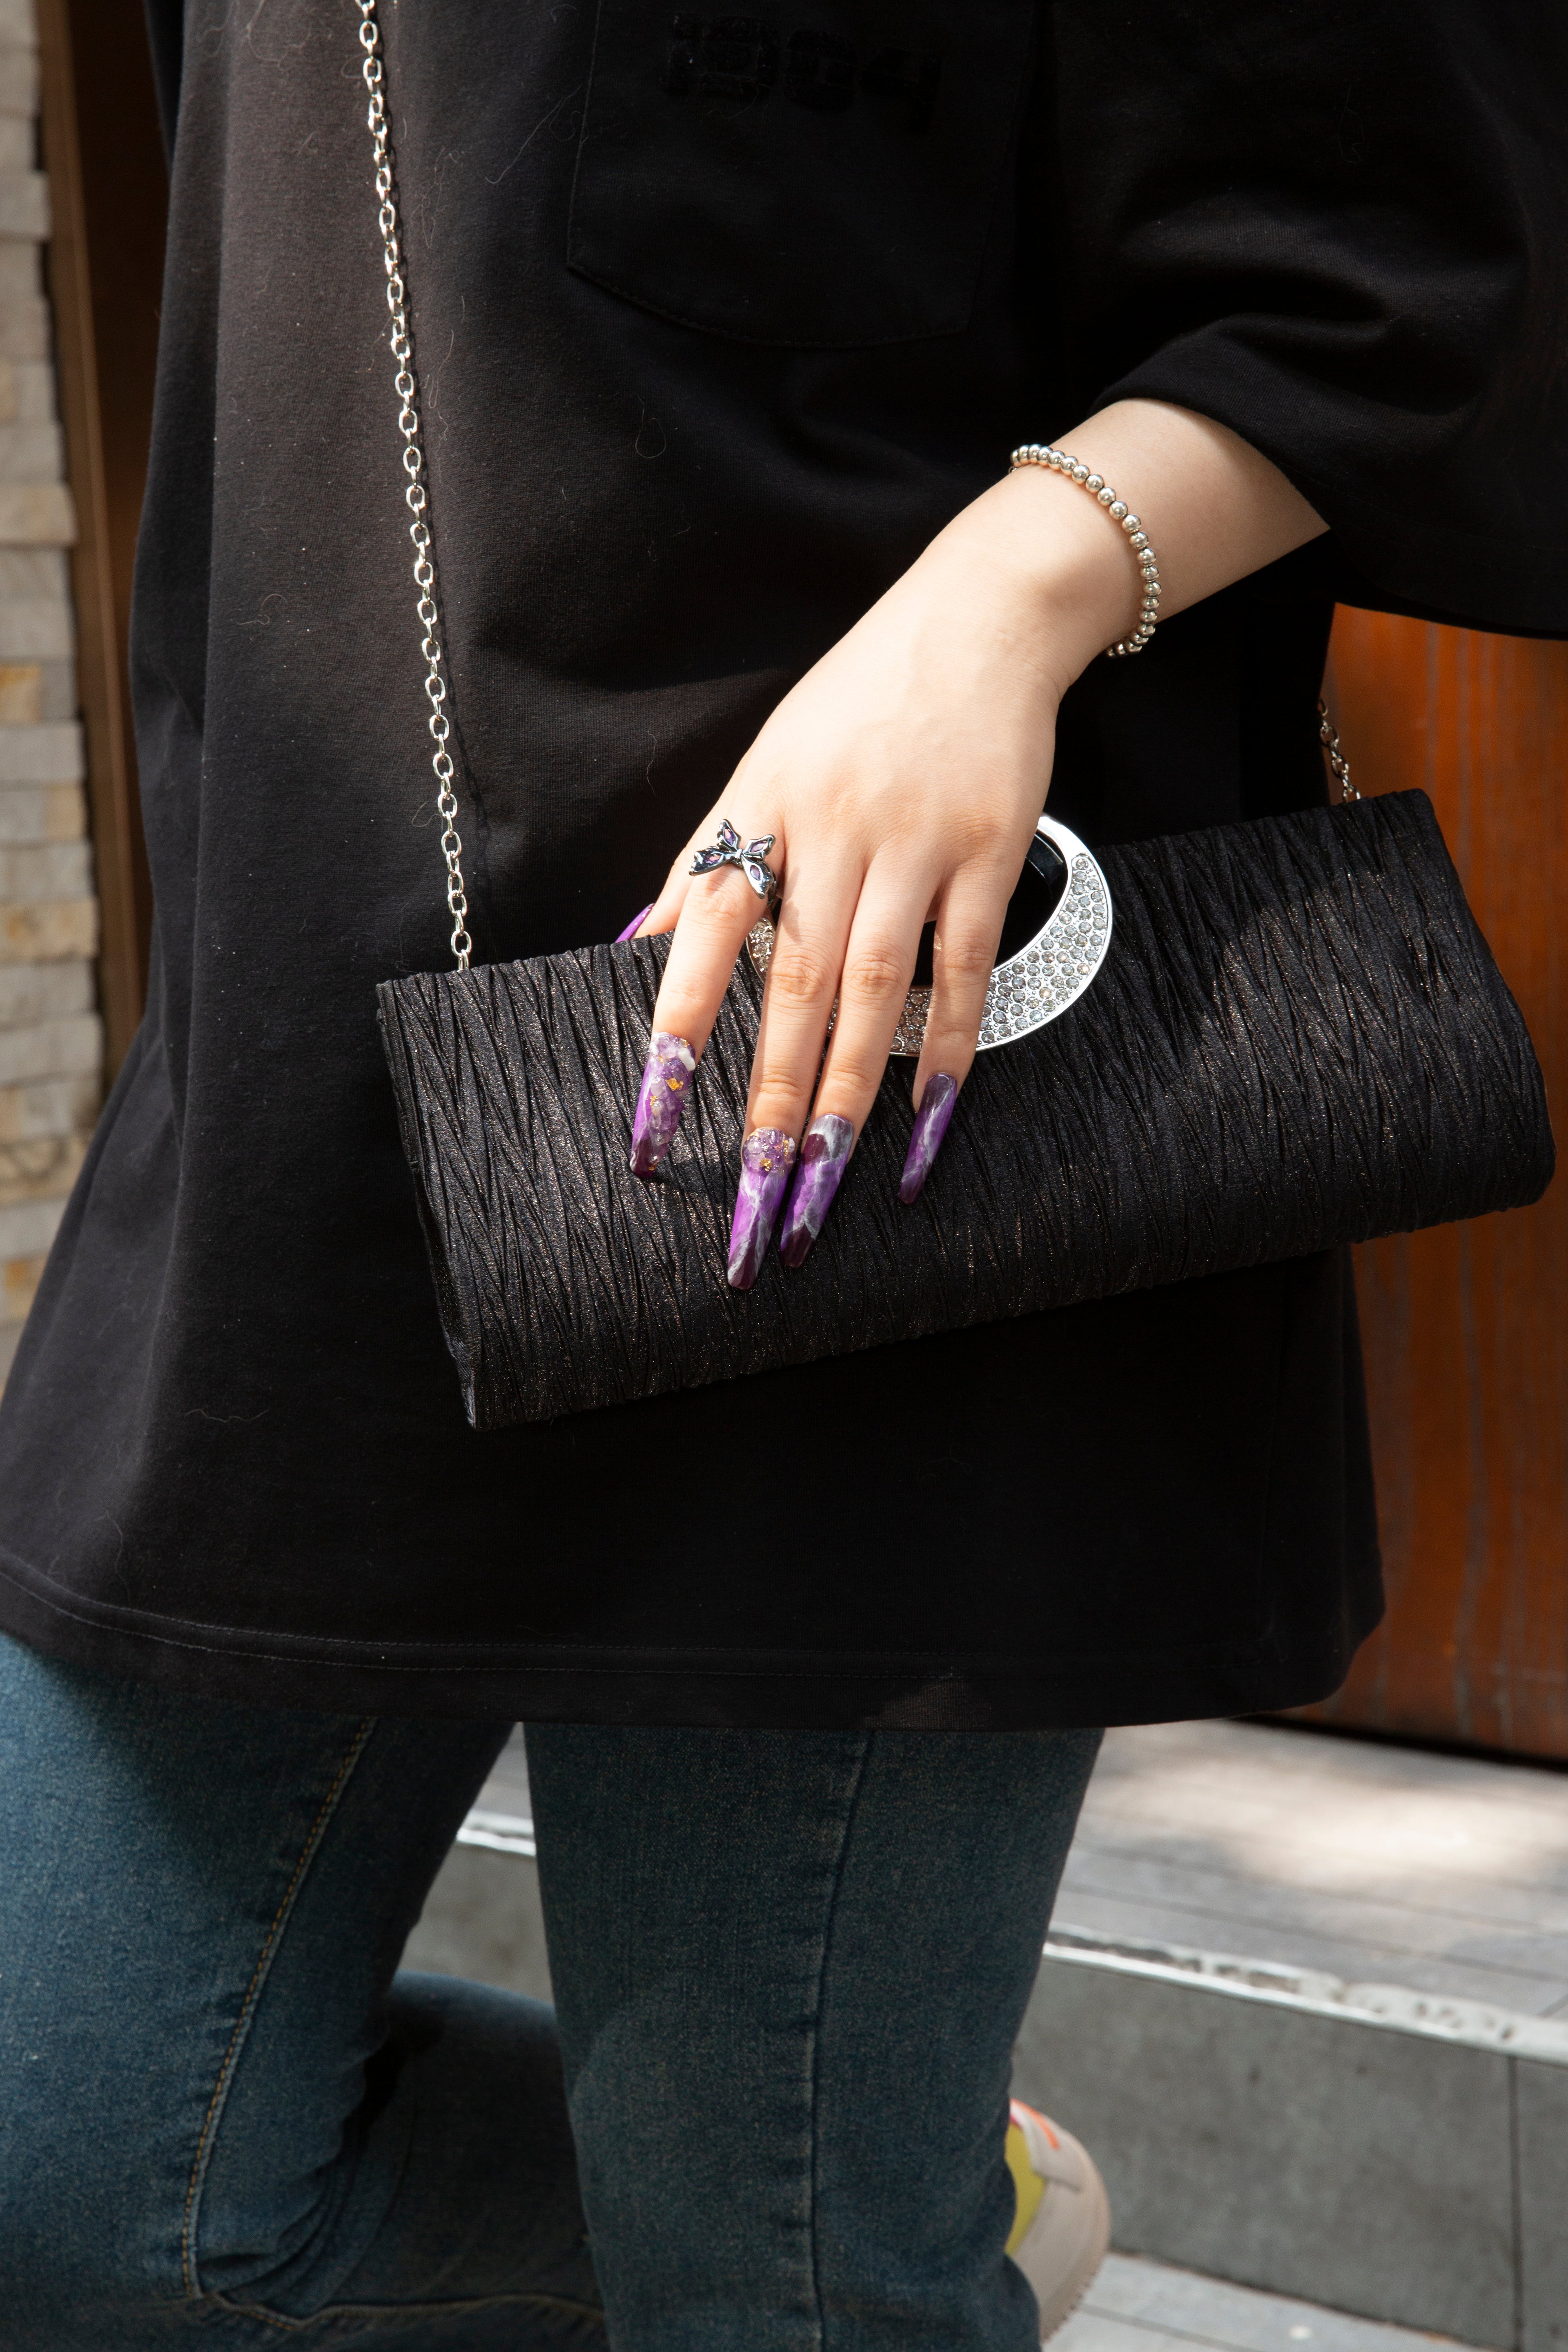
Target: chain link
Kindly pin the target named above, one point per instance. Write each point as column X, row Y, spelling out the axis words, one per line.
column 414, row 466
column 1328, row 736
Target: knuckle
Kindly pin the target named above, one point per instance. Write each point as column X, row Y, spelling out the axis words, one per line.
column 712, row 911
column 966, row 955
column 873, row 974
column 799, row 975
column 949, row 1045
column 973, row 838
column 779, row 1080
column 856, row 1076
column 984, row 833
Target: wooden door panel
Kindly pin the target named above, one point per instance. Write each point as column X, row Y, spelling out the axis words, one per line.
column 1465, row 1329
column 107, row 197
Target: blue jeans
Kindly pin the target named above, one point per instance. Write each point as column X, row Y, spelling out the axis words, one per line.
column 789, row 1966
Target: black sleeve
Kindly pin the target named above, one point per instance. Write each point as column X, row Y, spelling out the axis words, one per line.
column 1341, row 227
column 166, row 37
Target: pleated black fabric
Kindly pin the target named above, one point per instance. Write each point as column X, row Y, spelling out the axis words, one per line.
column 1298, row 1038
column 681, row 435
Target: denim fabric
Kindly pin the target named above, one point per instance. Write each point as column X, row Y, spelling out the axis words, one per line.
column 788, row 1985
column 790, row 1966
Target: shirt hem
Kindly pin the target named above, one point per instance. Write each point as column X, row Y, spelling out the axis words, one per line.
column 244, row 1667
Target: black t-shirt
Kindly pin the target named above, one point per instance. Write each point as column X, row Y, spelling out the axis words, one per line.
column 717, row 321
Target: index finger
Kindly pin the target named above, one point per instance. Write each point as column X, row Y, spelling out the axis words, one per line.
column 719, row 911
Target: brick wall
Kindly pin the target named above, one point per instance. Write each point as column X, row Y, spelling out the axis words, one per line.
column 51, row 1044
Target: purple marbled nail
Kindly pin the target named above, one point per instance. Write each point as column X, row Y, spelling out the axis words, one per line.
column 665, row 1092
column 931, row 1126
column 767, row 1156
column 823, row 1156
column 632, row 926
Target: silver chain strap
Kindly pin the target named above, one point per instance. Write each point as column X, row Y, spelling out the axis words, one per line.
column 1328, row 736
column 414, row 466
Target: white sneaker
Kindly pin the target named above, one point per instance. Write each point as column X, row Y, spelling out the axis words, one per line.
column 1062, row 2226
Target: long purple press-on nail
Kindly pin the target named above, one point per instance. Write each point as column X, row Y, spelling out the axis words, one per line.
column 823, row 1156
column 622, row 936
column 931, row 1126
column 767, row 1156
column 665, row 1089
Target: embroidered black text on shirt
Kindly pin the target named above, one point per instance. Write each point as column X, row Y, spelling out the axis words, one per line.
column 740, row 61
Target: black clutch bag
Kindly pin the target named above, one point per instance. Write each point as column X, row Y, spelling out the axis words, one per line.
column 1224, row 1047
column 1291, row 1035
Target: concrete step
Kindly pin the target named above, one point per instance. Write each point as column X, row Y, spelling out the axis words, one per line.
column 1387, row 2153
column 1373, row 1863
column 1136, row 2305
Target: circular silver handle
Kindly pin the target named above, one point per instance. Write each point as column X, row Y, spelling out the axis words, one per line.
column 1042, row 981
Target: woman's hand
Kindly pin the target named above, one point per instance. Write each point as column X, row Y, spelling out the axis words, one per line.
column 902, row 779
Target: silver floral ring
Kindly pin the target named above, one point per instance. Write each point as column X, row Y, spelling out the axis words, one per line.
column 729, row 850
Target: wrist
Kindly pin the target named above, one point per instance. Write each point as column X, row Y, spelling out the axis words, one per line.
column 1062, row 566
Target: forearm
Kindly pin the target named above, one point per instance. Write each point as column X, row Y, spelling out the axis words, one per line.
column 1214, row 510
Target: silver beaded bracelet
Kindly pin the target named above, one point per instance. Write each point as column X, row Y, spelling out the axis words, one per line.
column 1036, row 453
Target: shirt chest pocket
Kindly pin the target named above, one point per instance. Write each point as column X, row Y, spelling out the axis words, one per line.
column 827, row 179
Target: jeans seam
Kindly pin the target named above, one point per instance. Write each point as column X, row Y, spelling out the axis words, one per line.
column 856, row 1786
column 248, row 2007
